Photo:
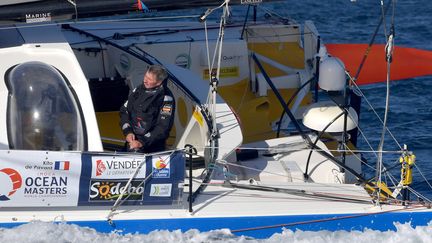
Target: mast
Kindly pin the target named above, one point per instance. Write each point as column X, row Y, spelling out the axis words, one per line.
column 32, row 11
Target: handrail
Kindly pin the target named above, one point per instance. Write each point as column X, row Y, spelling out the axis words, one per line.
column 302, row 133
column 289, row 102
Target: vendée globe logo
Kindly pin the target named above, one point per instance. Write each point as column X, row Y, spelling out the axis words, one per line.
column 11, row 181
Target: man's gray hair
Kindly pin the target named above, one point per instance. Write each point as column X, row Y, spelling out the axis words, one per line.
column 159, row 71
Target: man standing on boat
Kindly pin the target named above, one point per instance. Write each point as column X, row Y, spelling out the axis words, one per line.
column 147, row 116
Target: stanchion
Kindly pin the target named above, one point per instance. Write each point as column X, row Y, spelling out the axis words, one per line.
column 190, row 150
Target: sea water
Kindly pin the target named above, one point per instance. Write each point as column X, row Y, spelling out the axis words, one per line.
column 58, row 233
column 410, row 120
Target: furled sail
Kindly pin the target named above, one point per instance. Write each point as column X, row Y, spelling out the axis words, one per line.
column 32, row 11
column 407, row 62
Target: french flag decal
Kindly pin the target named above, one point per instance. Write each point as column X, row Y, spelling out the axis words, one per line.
column 142, row 6
column 61, row 165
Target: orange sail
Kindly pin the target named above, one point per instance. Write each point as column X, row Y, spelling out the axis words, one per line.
column 407, row 62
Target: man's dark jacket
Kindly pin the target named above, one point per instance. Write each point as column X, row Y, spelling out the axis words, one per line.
column 149, row 114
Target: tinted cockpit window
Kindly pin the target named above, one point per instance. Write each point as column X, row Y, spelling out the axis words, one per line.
column 42, row 111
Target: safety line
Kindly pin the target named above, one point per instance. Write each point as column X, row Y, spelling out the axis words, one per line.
column 317, row 220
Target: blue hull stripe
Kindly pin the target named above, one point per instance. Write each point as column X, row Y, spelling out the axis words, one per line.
column 262, row 226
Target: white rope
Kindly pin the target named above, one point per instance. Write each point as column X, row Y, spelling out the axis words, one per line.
column 392, row 178
column 361, row 132
column 357, row 157
column 358, row 90
column 224, row 162
column 119, row 200
column 212, row 92
column 75, row 7
column 424, row 177
column 387, row 101
column 418, row 194
column 383, row 17
column 209, row 64
column 222, row 34
column 208, row 51
column 389, row 53
column 379, row 164
column 365, row 138
column 210, row 10
column 117, row 203
column 271, row 12
column 282, row 150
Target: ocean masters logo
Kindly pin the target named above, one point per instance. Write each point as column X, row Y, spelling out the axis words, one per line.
column 11, row 181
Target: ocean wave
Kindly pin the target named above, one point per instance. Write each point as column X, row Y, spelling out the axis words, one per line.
column 61, row 232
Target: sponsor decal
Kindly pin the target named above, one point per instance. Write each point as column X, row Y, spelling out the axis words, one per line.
column 117, row 168
column 44, row 165
column 61, row 165
column 161, row 167
column 198, row 117
column 46, row 186
column 166, row 109
column 141, row 6
column 48, row 166
column 100, row 167
column 38, row 17
column 160, row 190
column 183, row 60
column 11, row 181
column 250, row 1
column 107, row 190
column 35, row 179
column 231, row 58
column 226, row 72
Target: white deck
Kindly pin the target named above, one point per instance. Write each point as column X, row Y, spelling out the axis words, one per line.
column 221, row 202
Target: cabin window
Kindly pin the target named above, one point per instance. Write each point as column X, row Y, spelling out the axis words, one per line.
column 42, row 113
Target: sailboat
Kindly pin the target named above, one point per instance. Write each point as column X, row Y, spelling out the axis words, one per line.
column 252, row 149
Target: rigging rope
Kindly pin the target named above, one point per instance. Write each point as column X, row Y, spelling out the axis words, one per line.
column 419, row 195
column 424, row 177
column 370, row 43
column 214, row 77
column 339, row 196
column 275, row 150
column 359, row 92
column 73, row 3
column 375, row 112
column 298, row 192
column 119, row 200
column 389, row 53
column 320, row 220
column 211, row 100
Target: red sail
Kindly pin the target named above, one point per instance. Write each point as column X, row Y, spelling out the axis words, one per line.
column 407, row 62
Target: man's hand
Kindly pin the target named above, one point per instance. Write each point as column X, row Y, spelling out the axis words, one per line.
column 135, row 144
column 130, row 137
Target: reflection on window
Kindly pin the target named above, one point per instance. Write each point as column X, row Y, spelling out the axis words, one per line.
column 42, row 112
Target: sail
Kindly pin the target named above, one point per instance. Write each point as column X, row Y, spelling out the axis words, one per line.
column 407, row 62
column 32, row 11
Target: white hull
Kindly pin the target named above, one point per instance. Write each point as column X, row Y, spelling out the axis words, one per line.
column 279, row 183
